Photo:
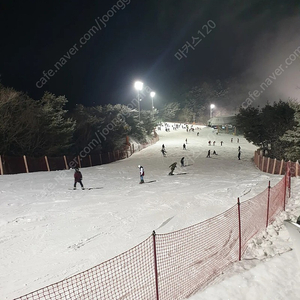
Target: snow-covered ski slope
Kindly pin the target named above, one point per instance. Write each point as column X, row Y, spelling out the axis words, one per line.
column 49, row 232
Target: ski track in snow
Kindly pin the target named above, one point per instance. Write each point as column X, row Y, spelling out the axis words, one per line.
column 49, row 233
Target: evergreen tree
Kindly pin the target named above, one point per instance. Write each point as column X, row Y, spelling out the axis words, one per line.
column 170, row 111
column 263, row 127
column 55, row 129
column 291, row 139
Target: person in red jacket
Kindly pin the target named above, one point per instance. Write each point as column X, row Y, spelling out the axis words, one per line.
column 78, row 178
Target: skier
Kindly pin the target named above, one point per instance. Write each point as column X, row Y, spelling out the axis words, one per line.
column 231, row 140
column 163, row 147
column 197, row 133
column 238, row 140
column 221, row 143
column 186, row 141
column 184, row 148
column 214, row 142
column 172, row 166
column 163, row 151
column 239, row 155
column 142, row 173
column 239, row 148
column 208, row 153
column 215, row 153
column 78, row 178
column 209, row 143
column 182, row 162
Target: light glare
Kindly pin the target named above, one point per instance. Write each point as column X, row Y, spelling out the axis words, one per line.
column 138, row 85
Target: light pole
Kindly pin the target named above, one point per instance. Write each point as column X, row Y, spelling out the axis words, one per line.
column 212, row 106
column 138, row 85
column 152, row 94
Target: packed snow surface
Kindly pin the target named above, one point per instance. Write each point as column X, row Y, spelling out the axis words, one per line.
column 49, row 232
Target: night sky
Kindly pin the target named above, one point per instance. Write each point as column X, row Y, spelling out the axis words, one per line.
column 139, row 40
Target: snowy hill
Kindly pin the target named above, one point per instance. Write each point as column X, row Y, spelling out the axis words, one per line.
column 50, row 232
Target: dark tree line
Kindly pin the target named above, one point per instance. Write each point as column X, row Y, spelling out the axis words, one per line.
column 192, row 104
column 44, row 127
column 272, row 128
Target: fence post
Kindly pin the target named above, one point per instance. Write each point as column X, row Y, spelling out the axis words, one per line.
column 289, row 176
column 284, row 192
column 274, row 165
column 47, row 163
column 281, row 166
column 155, row 264
column 268, row 164
column 79, row 163
column 1, row 167
column 25, row 163
column 268, row 205
column 66, row 163
column 240, row 231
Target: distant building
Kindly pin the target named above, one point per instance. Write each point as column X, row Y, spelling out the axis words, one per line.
column 226, row 123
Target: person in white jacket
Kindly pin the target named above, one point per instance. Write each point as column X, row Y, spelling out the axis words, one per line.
column 142, row 173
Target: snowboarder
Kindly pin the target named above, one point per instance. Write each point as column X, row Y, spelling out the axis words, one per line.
column 184, row 148
column 172, row 166
column 142, row 173
column 208, row 153
column 78, row 178
column 215, row 153
column 221, row 143
column 182, row 162
column 239, row 155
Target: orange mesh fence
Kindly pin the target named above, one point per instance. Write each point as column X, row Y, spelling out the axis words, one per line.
column 253, row 217
column 13, row 165
column 189, row 259
column 36, row 164
column 265, row 164
column 293, row 169
column 56, row 163
column 277, row 199
column 129, row 276
column 174, row 265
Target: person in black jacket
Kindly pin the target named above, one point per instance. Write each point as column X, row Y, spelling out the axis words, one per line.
column 78, row 178
column 182, row 162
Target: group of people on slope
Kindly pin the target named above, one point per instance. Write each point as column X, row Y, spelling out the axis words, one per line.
column 78, row 175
